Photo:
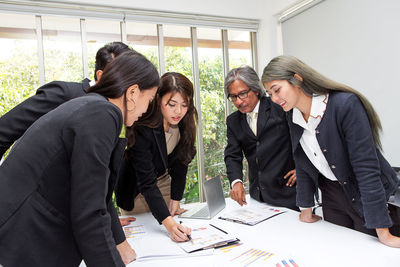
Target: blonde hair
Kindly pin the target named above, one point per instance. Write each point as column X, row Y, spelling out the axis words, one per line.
column 285, row 67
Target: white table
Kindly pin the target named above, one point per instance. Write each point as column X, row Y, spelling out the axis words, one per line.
column 316, row 244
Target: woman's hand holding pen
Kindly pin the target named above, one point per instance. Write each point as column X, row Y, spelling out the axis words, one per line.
column 177, row 231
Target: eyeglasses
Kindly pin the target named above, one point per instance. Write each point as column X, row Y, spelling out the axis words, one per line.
column 241, row 96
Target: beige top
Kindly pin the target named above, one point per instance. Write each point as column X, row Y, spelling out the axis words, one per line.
column 172, row 138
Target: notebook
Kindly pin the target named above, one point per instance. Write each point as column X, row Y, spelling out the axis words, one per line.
column 215, row 201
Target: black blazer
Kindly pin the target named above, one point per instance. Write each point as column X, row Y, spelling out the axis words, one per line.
column 345, row 138
column 268, row 154
column 56, row 188
column 146, row 161
column 14, row 123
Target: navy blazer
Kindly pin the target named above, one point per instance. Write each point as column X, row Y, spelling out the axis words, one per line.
column 345, row 137
column 146, row 161
column 56, row 188
column 14, row 123
column 268, row 154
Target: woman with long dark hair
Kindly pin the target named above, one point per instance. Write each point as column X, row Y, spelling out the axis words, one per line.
column 160, row 147
column 56, row 184
column 335, row 141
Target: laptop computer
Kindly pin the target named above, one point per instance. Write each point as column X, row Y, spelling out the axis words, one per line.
column 215, row 201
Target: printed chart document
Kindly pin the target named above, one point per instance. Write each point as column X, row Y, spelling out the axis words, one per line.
column 206, row 237
column 251, row 215
column 151, row 245
column 246, row 255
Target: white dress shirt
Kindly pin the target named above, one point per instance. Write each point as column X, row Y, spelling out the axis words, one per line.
column 308, row 140
column 248, row 118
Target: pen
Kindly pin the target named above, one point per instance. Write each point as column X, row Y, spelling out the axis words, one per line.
column 218, row 228
column 190, row 238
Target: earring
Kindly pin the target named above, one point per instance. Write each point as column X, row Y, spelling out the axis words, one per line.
column 134, row 105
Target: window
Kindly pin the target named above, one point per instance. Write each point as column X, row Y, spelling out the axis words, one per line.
column 239, row 48
column 62, row 49
column 67, row 58
column 143, row 38
column 98, row 33
column 178, row 55
column 212, row 102
column 19, row 71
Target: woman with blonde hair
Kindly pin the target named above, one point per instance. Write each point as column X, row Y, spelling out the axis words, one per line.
column 335, row 140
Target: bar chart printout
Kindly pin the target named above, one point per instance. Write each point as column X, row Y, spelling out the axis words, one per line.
column 134, row 231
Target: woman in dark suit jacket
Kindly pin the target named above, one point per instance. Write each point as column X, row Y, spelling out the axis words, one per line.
column 157, row 163
column 335, row 139
column 56, row 184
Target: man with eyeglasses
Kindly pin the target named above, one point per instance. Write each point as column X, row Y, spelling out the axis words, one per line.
column 259, row 130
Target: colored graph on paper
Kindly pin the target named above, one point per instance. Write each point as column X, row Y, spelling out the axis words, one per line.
column 206, row 237
column 134, row 231
column 251, row 215
column 251, row 256
column 229, row 248
column 287, row 263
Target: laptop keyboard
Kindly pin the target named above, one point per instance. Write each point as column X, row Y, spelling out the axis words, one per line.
column 202, row 213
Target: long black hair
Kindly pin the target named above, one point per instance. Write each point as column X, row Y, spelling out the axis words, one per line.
column 107, row 53
column 172, row 82
column 125, row 70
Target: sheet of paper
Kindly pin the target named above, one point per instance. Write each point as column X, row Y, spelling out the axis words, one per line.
column 245, row 255
column 134, row 231
column 157, row 245
column 251, row 215
column 205, row 237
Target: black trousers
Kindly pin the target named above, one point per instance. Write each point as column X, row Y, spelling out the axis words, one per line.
column 337, row 209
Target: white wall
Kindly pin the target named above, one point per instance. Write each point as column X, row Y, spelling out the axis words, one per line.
column 355, row 42
column 264, row 10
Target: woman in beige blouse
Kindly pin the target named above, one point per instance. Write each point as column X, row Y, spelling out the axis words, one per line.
column 160, row 147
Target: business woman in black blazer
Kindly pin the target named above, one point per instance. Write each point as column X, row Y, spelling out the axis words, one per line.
column 14, row 123
column 335, row 139
column 56, row 184
column 164, row 144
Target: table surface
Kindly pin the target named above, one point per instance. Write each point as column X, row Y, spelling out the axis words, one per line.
column 309, row 244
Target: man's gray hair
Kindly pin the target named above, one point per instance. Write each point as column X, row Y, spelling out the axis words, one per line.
column 247, row 75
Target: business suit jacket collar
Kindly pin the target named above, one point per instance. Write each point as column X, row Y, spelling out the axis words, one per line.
column 263, row 114
column 296, row 131
column 161, row 144
column 262, row 118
